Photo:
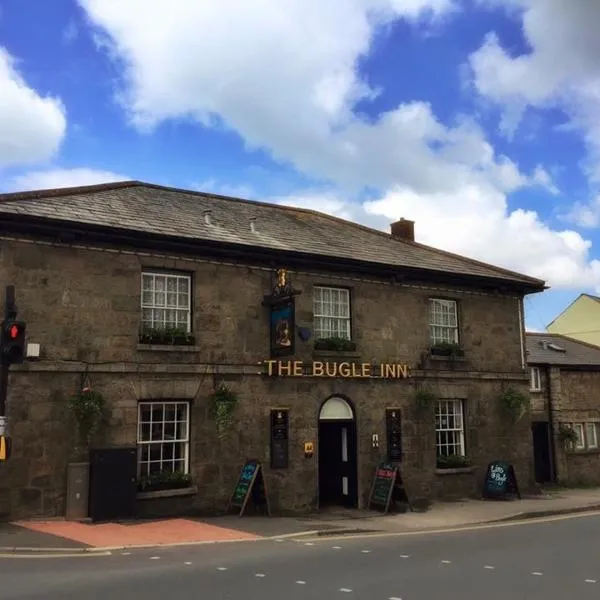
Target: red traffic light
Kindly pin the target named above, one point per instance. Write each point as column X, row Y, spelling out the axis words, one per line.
column 13, row 332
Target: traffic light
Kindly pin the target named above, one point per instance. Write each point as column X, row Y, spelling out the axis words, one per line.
column 12, row 342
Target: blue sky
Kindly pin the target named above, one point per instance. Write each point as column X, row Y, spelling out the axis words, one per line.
column 478, row 119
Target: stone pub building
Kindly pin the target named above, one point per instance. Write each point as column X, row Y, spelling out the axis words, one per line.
column 217, row 330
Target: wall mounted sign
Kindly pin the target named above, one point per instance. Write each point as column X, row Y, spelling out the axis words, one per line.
column 345, row 370
column 279, row 439
column 393, row 422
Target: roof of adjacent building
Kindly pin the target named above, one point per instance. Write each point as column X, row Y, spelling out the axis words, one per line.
column 555, row 349
column 152, row 209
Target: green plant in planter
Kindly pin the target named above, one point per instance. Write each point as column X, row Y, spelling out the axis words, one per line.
column 452, row 462
column 446, row 349
column 335, row 344
column 224, row 401
column 567, row 435
column 176, row 336
column 424, row 400
column 515, row 403
column 164, row 480
column 87, row 407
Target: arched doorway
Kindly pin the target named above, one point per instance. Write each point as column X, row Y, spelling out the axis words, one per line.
column 338, row 484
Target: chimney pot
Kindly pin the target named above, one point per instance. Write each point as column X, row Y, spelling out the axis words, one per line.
column 208, row 217
column 404, row 230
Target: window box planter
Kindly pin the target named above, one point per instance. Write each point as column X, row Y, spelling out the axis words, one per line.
column 335, row 345
column 452, row 462
column 447, row 350
column 165, row 480
column 166, row 337
column 172, row 493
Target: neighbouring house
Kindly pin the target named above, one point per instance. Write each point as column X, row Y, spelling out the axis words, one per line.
column 565, row 413
column 580, row 320
column 217, row 330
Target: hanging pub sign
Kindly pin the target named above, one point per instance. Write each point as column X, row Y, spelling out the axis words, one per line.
column 345, row 370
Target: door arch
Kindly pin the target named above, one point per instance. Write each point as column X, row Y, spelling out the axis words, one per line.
column 338, row 481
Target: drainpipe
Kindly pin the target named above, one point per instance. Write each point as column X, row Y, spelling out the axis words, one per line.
column 551, row 426
column 521, row 334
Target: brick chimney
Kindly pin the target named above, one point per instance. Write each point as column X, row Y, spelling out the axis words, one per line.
column 404, row 230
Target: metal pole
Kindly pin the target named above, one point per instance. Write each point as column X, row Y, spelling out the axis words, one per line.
column 9, row 311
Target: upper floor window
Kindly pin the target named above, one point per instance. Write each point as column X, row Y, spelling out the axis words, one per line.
column 443, row 321
column 535, row 381
column 166, row 301
column 331, row 312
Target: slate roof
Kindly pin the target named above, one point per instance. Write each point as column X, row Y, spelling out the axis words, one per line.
column 148, row 208
column 555, row 349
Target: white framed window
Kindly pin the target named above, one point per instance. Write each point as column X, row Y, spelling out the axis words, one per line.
column 591, row 435
column 331, row 312
column 578, row 429
column 163, row 437
column 443, row 321
column 166, row 301
column 449, row 428
column 535, row 380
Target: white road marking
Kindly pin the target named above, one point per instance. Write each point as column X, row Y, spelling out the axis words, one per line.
column 405, row 556
column 365, row 551
column 279, row 540
column 445, row 562
column 155, row 558
column 125, row 553
column 337, row 547
column 394, row 598
column 345, row 590
column 536, row 573
column 260, row 575
column 309, row 544
column 187, row 563
column 300, row 582
column 221, row 568
column 489, row 567
column 590, row 581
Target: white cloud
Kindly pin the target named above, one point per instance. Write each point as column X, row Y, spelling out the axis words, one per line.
column 286, row 79
column 31, row 126
column 562, row 70
column 585, row 214
column 59, row 178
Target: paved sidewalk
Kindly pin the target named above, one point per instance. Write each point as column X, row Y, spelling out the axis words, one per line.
column 59, row 534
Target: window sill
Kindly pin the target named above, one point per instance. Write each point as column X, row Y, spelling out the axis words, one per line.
column 189, row 491
column 167, row 348
column 583, row 452
column 456, row 471
column 439, row 358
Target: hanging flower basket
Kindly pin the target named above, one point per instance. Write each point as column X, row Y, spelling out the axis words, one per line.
column 567, row 435
column 424, row 400
column 515, row 403
column 87, row 407
column 224, row 402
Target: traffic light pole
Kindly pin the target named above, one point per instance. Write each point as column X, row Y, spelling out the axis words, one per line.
column 9, row 312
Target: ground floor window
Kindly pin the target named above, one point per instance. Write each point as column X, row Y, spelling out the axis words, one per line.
column 449, row 428
column 163, row 437
column 587, row 435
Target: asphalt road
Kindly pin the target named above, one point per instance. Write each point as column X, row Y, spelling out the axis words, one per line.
column 530, row 561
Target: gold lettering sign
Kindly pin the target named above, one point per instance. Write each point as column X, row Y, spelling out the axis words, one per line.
column 344, row 370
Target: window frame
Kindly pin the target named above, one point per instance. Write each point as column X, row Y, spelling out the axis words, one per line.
column 444, row 302
column 461, row 430
column 317, row 288
column 535, row 376
column 185, row 441
column 579, row 428
column 595, row 427
column 177, row 275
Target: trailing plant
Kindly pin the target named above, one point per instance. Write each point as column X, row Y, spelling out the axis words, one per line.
column 87, row 407
column 224, row 401
column 335, row 344
column 164, row 480
column 176, row 336
column 567, row 435
column 446, row 349
column 424, row 400
column 452, row 462
column 516, row 403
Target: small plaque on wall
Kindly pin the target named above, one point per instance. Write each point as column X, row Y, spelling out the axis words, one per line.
column 393, row 419
column 279, row 439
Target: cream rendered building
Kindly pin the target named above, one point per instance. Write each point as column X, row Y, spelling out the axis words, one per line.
column 580, row 320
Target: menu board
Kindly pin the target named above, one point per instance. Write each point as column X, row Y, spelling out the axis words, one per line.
column 250, row 485
column 500, row 481
column 393, row 421
column 279, row 439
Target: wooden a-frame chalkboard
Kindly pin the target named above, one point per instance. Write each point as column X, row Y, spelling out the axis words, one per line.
column 387, row 488
column 500, row 481
column 250, row 485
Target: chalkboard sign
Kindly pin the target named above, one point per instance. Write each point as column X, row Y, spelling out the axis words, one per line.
column 500, row 481
column 279, row 439
column 393, row 420
column 250, row 485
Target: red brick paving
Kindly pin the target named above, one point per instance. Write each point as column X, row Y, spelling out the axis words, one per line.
column 157, row 533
